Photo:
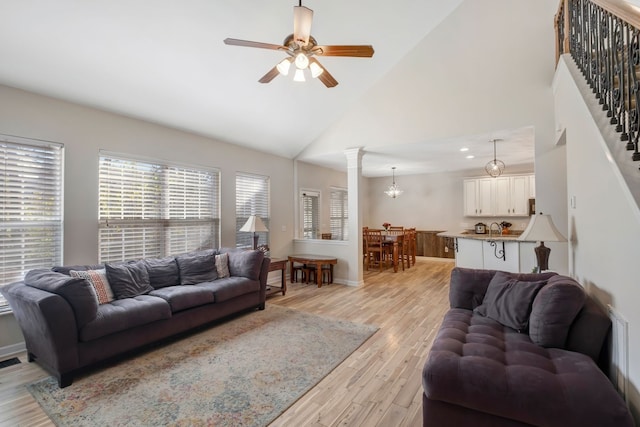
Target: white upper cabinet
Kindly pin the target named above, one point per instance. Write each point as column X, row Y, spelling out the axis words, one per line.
column 478, row 197
column 502, row 196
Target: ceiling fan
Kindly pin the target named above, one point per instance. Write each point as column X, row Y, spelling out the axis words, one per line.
column 302, row 49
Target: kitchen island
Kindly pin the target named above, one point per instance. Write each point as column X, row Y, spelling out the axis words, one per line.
column 493, row 251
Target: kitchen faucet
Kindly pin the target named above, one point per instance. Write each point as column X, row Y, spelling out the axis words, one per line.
column 491, row 228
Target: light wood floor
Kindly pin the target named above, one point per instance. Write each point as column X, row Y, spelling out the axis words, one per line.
column 378, row 385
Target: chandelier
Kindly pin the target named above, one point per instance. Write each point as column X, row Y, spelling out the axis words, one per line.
column 495, row 167
column 393, row 191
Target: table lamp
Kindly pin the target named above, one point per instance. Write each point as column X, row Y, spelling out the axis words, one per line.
column 253, row 225
column 541, row 229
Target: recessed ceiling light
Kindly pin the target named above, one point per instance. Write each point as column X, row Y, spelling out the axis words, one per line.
column 463, row 149
column 471, row 156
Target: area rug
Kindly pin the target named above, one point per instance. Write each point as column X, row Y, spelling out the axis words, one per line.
column 242, row 372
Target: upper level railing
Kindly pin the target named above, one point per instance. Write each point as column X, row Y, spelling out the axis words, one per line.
column 603, row 37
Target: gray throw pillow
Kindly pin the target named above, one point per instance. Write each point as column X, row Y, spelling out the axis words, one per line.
column 554, row 310
column 128, row 280
column 508, row 301
column 163, row 272
column 197, row 267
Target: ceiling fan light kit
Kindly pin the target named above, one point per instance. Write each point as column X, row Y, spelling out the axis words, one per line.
column 302, row 49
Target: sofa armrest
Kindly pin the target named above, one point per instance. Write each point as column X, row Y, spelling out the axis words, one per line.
column 49, row 327
column 589, row 333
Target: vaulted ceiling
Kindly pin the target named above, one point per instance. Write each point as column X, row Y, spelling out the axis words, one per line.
column 444, row 74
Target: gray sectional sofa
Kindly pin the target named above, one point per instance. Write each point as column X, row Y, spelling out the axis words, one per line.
column 520, row 350
column 71, row 321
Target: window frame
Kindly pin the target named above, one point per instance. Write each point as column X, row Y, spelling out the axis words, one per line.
column 342, row 232
column 162, row 187
column 260, row 206
column 314, row 232
column 25, row 162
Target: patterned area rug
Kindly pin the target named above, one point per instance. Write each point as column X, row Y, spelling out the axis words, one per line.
column 243, row 372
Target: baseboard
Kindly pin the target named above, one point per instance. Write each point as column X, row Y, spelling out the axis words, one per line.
column 12, row 350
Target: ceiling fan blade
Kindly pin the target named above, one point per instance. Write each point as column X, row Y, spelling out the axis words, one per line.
column 247, row 43
column 362, row 51
column 302, row 18
column 325, row 77
column 271, row 74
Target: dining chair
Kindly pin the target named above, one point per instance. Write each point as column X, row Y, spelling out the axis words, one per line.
column 412, row 245
column 400, row 237
column 376, row 250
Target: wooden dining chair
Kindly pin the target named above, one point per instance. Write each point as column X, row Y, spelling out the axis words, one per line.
column 412, row 245
column 401, row 238
column 376, row 251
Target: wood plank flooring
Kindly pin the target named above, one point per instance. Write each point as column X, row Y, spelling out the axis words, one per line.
column 378, row 385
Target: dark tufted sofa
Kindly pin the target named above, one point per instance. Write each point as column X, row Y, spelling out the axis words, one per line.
column 480, row 372
column 67, row 328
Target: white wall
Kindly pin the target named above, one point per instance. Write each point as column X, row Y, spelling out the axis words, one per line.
column 429, row 202
column 84, row 131
column 312, row 177
column 604, row 226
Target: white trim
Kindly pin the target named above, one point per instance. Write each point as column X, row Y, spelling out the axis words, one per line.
column 13, row 349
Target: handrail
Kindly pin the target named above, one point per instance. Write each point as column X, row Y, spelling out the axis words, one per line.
column 603, row 37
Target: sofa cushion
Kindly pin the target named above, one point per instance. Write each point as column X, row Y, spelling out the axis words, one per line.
column 97, row 279
column 246, row 263
column 123, row 314
column 182, row 297
column 508, row 300
column 162, row 272
column 222, row 265
column 128, row 280
column 479, row 364
column 554, row 309
column 66, row 269
column 231, row 287
column 197, row 267
column 76, row 291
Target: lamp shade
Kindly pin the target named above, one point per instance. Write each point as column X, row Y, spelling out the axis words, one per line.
column 254, row 224
column 541, row 229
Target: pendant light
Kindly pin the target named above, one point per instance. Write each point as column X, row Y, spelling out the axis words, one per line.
column 495, row 167
column 393, row 191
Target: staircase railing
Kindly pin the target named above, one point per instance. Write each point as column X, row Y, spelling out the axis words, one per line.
column 603, row 37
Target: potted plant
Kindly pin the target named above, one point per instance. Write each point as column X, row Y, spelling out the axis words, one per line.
column 386, row 225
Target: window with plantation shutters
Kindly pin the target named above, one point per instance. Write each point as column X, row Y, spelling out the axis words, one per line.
column 310, row 209
column 30, row 209
column 339, row 213
column 252, row 198
column 149, row 209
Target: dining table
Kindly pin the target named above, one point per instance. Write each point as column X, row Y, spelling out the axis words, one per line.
column 317, row 260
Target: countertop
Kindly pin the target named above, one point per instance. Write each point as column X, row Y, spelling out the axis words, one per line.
column 466, row 234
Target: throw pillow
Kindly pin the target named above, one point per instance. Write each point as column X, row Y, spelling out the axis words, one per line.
column 554, row 310
column 197, row 267
column 128, row 280
column 163, row 272
column 222, row 265
column 508, row 301
column 97, row 279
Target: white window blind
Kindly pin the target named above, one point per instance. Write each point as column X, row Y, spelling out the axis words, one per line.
column 30, row 208
column 339, row 214
column 252, row 198
column 154, row 210
column 310, row 201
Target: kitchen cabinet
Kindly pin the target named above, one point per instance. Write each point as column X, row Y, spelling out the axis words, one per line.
column 469, row 253
column 502, row 196
column 504, row 255
column 428, row 243
column 478, row 197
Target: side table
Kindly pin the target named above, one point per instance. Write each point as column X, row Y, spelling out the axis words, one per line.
column 278, row 264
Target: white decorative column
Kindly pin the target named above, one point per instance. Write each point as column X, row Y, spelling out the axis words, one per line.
column 354, row 181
